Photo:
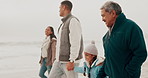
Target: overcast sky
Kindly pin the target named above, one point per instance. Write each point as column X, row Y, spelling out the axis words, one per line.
column 25, row 20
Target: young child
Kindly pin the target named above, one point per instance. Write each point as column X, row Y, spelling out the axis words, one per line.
column 92, row 63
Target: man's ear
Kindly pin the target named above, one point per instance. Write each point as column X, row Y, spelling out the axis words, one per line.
column 113, row 13
column 64, row 7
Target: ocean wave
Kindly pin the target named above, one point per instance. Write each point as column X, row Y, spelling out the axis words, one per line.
column 19, row 43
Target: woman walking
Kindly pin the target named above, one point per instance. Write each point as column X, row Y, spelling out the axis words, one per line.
column 48, row 51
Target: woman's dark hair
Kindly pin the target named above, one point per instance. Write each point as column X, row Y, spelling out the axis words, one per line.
column 52, row 30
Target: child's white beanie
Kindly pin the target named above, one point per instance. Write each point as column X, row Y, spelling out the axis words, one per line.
column 91, row 48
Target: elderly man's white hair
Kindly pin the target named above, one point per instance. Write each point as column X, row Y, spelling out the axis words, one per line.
column 110, row 5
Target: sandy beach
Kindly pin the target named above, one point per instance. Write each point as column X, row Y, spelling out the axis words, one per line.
column 21, row 61
column 23, row 23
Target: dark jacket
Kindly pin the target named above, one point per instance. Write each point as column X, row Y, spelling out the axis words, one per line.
column 125, row 50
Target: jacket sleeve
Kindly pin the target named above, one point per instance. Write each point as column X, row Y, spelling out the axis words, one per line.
column 138, row 49
column 79, row 69
column 53, row 50
column 75, row 38
column 101, row 72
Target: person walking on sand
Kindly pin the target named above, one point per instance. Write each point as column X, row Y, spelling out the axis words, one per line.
column 124, row 45
column 92, row 63
column 69, row 44
column 48, row 52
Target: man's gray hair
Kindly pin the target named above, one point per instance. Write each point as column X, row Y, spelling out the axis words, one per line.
column 110, row 5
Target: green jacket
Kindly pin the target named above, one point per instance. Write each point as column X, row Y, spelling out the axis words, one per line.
column 125, row 50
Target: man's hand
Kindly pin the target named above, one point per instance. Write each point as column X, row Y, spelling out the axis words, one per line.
column 70, row 66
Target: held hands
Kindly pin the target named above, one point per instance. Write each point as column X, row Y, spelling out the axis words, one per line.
column 70, row 66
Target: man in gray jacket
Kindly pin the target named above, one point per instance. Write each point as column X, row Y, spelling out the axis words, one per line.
column 69, row 44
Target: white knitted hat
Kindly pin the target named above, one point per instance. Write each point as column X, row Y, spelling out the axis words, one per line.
column 91, row 48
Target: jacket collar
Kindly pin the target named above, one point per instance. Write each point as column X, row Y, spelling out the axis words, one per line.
column 119, row 20
column 66, row 17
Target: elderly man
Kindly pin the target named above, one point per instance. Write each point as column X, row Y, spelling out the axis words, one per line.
column 124, row 45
